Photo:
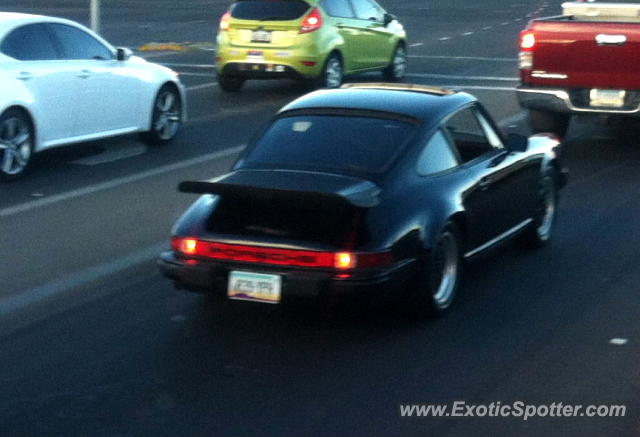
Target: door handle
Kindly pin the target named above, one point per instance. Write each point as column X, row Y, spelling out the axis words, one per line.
column 610, row 40
column 24, row 75
column 84, row 74
column 484, row 183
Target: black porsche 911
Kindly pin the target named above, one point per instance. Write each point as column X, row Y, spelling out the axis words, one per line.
column 367, row 190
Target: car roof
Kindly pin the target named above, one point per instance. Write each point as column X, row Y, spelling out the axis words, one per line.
column 416, row 101
column 11, row 20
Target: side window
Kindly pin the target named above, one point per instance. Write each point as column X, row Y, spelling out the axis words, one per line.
column 338, row 8
column 78, row 44
column 29, row 43
column 437, row 156
column 367, row 10
column 468, row 135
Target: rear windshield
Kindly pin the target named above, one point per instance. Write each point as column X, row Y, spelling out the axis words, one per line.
column 342, row 144
column 269, row 10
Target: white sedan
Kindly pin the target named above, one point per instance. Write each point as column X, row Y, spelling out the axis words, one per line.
column 61, row 83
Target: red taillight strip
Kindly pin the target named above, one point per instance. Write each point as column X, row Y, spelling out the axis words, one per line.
column 277, row 256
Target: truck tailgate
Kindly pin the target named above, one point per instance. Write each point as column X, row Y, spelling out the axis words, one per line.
column 585, row 55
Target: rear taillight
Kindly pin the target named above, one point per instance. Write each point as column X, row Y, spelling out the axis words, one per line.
column 342, row 261
column 311, row 22
column 527, row 40
column 527, row 46
column 224, row 21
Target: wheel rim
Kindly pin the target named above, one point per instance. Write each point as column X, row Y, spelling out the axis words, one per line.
column 400, row 63
column 167, row 112
column 548, row 197
column 444, row 269
column 333, row 73
column 16, row 144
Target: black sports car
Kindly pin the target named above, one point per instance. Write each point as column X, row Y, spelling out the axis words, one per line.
column 366, row 190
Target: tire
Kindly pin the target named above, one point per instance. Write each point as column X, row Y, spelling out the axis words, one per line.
column 231, row 84
column 440, row 275
column 166, row 117
column 397, row 68
column 540, row 231
column 16, row 144
column 545, row 121
column 332, row 73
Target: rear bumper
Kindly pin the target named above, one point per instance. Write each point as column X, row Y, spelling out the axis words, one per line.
column 299, row 284
column 571, row 101
column 255, row 70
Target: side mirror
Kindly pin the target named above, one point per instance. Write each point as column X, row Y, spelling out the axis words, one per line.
column 388, row 18
column 123, row 53
column 517, row 143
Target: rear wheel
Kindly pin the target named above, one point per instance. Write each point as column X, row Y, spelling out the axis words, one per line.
column 16, row 144
column 332, row 73
column 540, row 230
column 546, row 121
column 439, row 279
column 397, row 68
column 230, row 83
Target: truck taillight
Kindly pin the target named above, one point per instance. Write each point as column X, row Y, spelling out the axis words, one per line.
column 527, row 44
column 224, row 21
column 527, row 40
column 311, row 22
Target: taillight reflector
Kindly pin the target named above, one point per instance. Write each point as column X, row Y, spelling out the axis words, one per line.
column 311, row 22
column 277, row 256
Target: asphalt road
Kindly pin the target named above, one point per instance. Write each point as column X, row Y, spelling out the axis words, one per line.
column 93, row 341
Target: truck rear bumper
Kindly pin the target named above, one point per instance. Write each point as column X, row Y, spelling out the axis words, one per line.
column 566, row 101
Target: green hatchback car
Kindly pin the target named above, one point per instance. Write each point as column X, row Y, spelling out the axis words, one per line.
column 316, row 40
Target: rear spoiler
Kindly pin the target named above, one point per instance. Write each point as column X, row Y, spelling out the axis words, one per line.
column 361, row 199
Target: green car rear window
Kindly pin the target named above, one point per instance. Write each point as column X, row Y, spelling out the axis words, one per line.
column 269, row 10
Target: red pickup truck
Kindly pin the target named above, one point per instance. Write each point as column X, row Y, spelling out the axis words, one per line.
column 584, row 61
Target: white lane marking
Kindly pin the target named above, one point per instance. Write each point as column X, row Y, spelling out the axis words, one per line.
column 112, row 154
column 171, row 64
column 449, row 76
column 201, row 86
column 78, row 279
column 28, row 206
column 444, row 38
column 466, row 33
column 416, row 44
column 464, row 58
column 619, row 341
column 504, row 23
column 487, row 28
column 518, row 19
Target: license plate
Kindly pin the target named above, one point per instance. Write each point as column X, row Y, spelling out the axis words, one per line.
column 260, row 36
column 256, row 287
column 607, row 98
column 255, row 55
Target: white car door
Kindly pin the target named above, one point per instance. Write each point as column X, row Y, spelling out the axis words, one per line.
column 51, row 83
column 110, row 93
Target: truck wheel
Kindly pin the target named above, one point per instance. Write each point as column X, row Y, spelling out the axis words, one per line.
column 546, row 121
